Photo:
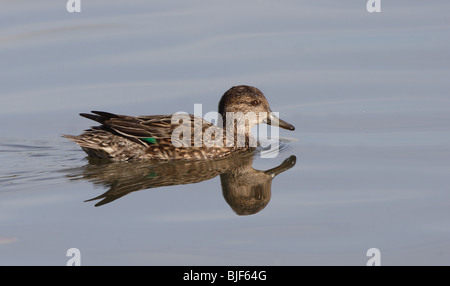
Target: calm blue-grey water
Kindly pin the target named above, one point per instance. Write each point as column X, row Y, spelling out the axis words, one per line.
column 368, row 93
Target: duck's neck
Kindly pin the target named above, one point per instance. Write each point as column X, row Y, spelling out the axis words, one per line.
column 237, row 133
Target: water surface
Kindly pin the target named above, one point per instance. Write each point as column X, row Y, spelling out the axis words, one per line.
column 369, row 159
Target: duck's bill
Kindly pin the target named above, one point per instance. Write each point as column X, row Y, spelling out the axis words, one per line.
column 276, row 121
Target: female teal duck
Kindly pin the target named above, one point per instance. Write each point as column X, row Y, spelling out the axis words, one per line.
column 123, row 138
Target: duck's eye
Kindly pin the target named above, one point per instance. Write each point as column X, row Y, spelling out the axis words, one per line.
column 254, row 102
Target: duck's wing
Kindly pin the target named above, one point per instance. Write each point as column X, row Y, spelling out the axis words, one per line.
column 147, row 129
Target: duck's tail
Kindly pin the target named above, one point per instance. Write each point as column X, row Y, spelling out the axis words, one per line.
column 92, row 147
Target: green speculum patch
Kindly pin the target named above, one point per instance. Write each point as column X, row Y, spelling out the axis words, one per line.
column 150, row 140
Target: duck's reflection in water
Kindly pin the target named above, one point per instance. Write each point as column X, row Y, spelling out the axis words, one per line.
column 245, row 189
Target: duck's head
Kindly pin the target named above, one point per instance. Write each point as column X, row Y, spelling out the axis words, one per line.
column 245, row 99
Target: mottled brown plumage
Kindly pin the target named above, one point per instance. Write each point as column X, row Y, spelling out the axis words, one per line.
column 124, row 138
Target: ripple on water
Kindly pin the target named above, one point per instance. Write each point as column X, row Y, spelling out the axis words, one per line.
column 29, row 164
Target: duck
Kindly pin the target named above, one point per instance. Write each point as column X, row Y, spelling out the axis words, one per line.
column 161, row 138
